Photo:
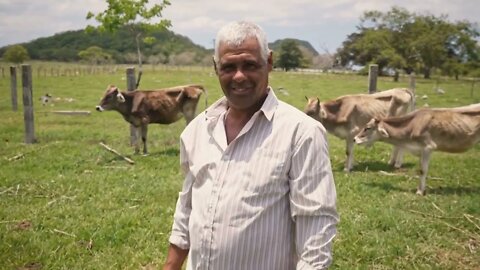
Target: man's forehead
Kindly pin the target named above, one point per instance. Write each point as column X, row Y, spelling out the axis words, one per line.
column 248, row 45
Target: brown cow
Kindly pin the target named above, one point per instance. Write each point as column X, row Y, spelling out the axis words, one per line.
column 452, row 130
column 346, row 116
column 162, row 106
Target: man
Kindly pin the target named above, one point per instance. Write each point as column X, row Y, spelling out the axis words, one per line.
column 258, row 190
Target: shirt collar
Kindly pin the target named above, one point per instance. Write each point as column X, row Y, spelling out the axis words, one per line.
column 220, row 106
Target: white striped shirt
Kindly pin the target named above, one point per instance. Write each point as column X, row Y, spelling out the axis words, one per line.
column 265, row 201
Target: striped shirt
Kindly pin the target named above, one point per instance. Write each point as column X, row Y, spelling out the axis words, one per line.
column 265, row 201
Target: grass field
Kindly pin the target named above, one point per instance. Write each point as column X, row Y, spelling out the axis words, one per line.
column 67, row 203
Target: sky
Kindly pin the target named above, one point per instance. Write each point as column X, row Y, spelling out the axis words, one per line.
column 323, row 23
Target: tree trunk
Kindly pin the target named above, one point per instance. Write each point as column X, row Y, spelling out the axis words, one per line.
column 426, row 73
column 396, row 76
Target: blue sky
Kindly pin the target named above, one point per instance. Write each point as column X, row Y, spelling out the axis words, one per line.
column 325, row 24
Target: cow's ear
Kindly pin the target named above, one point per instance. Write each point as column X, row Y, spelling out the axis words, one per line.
column 383, row 132
column 120, row 97
column 323, row 113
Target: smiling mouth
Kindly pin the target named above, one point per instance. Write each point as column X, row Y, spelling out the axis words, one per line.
column 241, row 89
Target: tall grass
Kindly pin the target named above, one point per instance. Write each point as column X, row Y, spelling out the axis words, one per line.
column 66, row 203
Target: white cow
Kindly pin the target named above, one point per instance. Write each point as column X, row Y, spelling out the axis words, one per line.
column 453, row 130
column 346, row 116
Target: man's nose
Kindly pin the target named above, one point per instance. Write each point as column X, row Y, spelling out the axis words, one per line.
column 239, row 75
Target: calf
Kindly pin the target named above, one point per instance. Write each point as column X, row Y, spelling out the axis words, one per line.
column 346, row 116
column 423, row 131
column 163, row 106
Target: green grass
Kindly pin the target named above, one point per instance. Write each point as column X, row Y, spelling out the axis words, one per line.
column 84, row 208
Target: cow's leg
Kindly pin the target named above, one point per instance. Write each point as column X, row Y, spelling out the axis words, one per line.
column 424, row 161
column 144, row 138
column 349, row 153
column 396, row 159
column 134, row 142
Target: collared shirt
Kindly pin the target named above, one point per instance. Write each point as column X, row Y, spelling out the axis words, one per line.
column 265, row 201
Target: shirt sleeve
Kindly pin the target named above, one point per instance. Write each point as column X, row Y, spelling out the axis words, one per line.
column 313, row 199
column 180, row 235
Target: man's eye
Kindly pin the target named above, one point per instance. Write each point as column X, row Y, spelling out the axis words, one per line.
column 227, row 68
column 251, row 66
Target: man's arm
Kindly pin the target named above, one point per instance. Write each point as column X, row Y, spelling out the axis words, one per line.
column 313, row 199
column 175, row 258
column 180, row 237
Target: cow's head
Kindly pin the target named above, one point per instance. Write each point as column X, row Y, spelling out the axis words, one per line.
column 188, row 99
column 313, row 108
column 111, row 99
column 371, row 133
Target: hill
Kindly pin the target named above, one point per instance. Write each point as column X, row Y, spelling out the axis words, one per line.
column 168, row 48
column 65, row 46
column 304, row 46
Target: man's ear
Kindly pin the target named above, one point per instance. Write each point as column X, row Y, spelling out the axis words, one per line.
column 270, row 61
column 214, row 65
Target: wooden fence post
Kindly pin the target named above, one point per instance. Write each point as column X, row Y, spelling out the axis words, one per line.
column 473, row 86
column 13, row 87
column 131, row 83
column 28, row 104
column 413, row 87
column 372, row 78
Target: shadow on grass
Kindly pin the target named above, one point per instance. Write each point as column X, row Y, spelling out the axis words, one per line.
column 375, row 166
column 446, row 190
column 389, row 187
column 453, row 190
column 171, row 152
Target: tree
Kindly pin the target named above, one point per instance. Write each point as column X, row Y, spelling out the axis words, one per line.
column 95, row 55
column 136, row 16
column 398, row 40
column 16, row 54
column 289, row 55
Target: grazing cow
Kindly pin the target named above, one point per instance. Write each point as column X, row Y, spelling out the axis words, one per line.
column 452, row 130
column 45, row 99
column 346, row 116
column 162, row 106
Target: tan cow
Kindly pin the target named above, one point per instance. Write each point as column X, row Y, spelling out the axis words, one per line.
column 346, row 116
column 161, row 106
column 452, row 130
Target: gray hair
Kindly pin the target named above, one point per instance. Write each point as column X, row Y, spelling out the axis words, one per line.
column 235, row 33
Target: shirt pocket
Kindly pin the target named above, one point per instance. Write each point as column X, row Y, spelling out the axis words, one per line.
column 267, row 171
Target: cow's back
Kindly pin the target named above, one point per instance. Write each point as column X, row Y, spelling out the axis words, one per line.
column 347, row 115
column 161, row 106
column 453, row 130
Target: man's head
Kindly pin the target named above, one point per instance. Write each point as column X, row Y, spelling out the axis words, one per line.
column 242, row 62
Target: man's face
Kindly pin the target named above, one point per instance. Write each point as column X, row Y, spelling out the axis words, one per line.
column 243, row 74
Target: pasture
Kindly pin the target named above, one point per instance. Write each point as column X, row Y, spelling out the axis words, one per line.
column 67, row 203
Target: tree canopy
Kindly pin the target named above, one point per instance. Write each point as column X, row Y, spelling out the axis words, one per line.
column 399, row 40
column 289, row 55
column 136, row 16
column 95, row 55
column 16, row 54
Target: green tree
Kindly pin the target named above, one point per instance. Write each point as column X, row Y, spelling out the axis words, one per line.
column 289, row 55
column 136, row 16
column 16, row 54
column 95, row 55
column 399, row 40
